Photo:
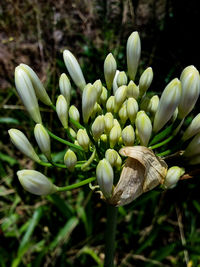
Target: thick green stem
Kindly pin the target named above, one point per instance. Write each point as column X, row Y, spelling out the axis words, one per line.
column 110, row 235
column 162, row 143
column 64, row 141
column 73, row 186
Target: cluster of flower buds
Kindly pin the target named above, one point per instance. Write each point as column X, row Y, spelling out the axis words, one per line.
column 114, row 114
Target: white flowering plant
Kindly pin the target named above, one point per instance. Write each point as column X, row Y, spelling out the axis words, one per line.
column 117, row 119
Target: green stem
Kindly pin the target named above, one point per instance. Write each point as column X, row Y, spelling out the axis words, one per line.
column 85, row 165
column 69, row 135
column 110, row 235
column 64, row 141
column 162, row 143
column 164, row 153
column 77, row 124
column 73, row 186
column 79, row 164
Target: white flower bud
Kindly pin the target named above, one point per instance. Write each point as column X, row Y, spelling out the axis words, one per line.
column 118, row 162
column 132, row 109
column 98, row 127
column 133, row 51
column 104, row 138
column 96, row 111
column 194, row 147
column 169, row 100
column 173, row 175
column 37, row 85
column 145, row 81
column 27, row 94
column 144, row 127
column 122, row 79
column 193, row 128
column 109, row 121
column 120, row 96
column 110, row 67
column 74, row 69
column 114, row 135
column 62, row 110
column 132, row 90
column 190, row 82
column 104, row 96
column 110, row 104
column 70, row 159
column 72, row 132
column 65, row 87
column 74, row 113
column 43, row 140
column 22, row 143
column 115, row 86
column 98, row 87
column 128, row 136
column 89, row 99
column 83, row 139
column 153, row 105
column 111, row 155
column 123, row 113
column 105, row 176
column 36, row 183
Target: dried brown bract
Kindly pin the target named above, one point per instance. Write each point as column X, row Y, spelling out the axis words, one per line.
column 142, row 172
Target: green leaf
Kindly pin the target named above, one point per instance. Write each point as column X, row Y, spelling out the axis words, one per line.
column 9, row 120
column 8, row 159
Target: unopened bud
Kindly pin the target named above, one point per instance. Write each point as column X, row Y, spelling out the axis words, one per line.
column 36, row 183
column 74, row 113
column 83, row 139
column 105, row 176
column 190, row 82
column 114, row 135
column 43, row 140
column 132, row 109
column 110, row 67
column 65, row 87
column 111, row 155
column 72, row 132
column 70, row 160
column 173, row 175
column 22, row 143
column 144, row 127
column 115, row 86
column 89, row 99
column 193, row 128
column 169, row 100
column 132, row 90
column 96, row 111
column 74, row 69
column 109, row 121
column 98, row 127
column 110, row 104
column 104, row 138
column 128, row 136
column 118, row 162
column 62, row 110
column 123, row 113
column 145, row 81
column 194, row 147
column 98, row 87
column 104, row 96
column 37, row 85
column 120, row 96
column 122, row 79
column 133, row 51
column 153, row 105
column 27, row 94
